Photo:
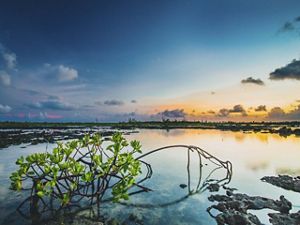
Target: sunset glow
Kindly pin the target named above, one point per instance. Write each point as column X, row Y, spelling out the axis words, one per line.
column 149, row 61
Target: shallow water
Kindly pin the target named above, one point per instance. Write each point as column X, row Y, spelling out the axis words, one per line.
column 252, row 155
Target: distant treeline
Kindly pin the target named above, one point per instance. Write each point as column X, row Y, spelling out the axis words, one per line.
column 165, row 124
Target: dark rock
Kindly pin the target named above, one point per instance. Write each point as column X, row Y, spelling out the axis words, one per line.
column 233, row 217
column 234, row 207
column 183, row 186
column 229, row 188
column 213, row 187
column 284, row 219
column 284, row 181
column 243, row 202
column 37, row 136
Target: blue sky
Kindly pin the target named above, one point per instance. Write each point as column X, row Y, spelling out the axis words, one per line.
column 110, row 60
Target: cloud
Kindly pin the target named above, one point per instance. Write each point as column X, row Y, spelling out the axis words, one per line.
column 291, row 26
column 98, row 103
column 60, row 73
column 32, row 92
column 4, row 78
column 295, row 114
column 45, row 115
column 297, row 19
column 288, row 26
column 223, row 112
column 66, row 73
column 289, row 71
column 10, row 59
column 113, row 102
column 53, row 97
column 5, row 108
column 236, row 109
column 276, row 113
column 261, row 108
column 130, row 114
column 51, row 105
column 251, row 80
column 175, row 113
column 211, row 112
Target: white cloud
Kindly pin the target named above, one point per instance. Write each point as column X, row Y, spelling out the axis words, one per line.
column 4, row 78
column 10, row 59
column 51, row 104
column 66, row 73
column 5, row 108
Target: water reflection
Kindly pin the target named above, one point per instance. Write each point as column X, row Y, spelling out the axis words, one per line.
column 239, row 136
column 288, row 171
column 203, row 183
column 253, row 156
column 258, row 165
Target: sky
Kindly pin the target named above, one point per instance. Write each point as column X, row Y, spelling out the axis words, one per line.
column 110, row 61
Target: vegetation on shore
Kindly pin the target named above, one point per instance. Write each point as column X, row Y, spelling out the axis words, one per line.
column 283, row 128
column 148, row 124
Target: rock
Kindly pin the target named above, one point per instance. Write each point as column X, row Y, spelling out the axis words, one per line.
column 244, row 202
column 284, row 219
column 213, row 187
column 86, row 221
column 37, row 136
column 229, row 188
column 234, row 208
column 284, row 181
column 233, row 217
column 182, row 186
column 134, row 218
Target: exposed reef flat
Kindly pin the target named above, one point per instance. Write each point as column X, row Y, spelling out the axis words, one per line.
column 10, row 137
column 16, row 133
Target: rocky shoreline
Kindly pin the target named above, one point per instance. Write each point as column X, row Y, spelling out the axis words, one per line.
column 233, row 207
column 37, row 136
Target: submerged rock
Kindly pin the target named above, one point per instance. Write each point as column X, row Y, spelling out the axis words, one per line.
column 284, row 181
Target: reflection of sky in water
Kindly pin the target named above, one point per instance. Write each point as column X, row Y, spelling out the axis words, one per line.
column 252, row 155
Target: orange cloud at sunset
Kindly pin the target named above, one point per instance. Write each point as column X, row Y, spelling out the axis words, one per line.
column 252, row 101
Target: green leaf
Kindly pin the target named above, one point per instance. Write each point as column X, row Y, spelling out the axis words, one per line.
column 20, row 160
column 66, row 199
column 40, row 194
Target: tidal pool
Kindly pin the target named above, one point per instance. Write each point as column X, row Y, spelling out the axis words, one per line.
column 253, row 155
